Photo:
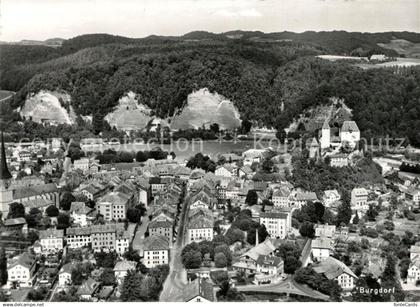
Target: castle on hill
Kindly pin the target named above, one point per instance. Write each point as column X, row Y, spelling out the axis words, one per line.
column 328, row 144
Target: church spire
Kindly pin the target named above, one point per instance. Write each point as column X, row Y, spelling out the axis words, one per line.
column 4, row 171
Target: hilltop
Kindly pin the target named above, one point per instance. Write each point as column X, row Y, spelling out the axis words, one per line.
column 271, row 79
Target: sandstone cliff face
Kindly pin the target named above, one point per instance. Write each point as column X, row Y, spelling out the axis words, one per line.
column 129, row 114
column 51, row 107
column 204, row 108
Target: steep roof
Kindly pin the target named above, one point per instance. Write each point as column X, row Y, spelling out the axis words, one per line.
column 24, row 260
column 269, row 260
column 14, row 222
column 201, row 221
column 51, row 233
column 26, row 192
column 349, row 126
column 198, row 287
column 125, row 265
column 156, row 243
column 332, row 268
column 321, row 243
column 88, row 287
column 264, row 248
column 274, row 215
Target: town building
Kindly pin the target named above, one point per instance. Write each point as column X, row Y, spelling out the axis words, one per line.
column 350, row 133
column 248, row 261
column 199, row 290
column 155, row 251
column 64, row 275
column 200, row 226
column 281, row 197
column 339, row 160
column 226, row 170
column 321, row 248
column 87, row 289
column 334, row 269
column 114, row 205
column 162, row 227
column 269, row 269
column 330, row 197
column 121, row 268
column 79, row 213
column 301, row 198
column 78, row 237
column 51, row 240
column 276, row 223
column 413, row 272
column 359, row 199
column 21, row 271
column 325, row 231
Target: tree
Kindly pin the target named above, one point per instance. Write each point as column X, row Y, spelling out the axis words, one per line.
column 251, row 198
column 66, row 199
column 389, row 280
column 251, row 234
column 3, row 267
column 214, row 127
column 52, row 211
column 291, row 264
column 267, row 165
column 307, row 230
column 223, row 248
column 131, row 288
column 16, row 210
column 228, row 294
column 220, row 260
column 356, row 218
column 38, row 294
column 107, row 277
column 372, row 213
column 234, row 235
column 32, row 236
column 344, row 214
column 131, row 254
column 191, row 256
column 106, row 260
column 63, row 221
column 133, row 215
column 245, row 126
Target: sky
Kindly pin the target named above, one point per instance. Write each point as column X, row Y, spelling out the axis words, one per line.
column 43, row 19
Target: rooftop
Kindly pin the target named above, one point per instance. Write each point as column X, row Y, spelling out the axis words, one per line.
column 198, row 287
column 156, row 243
column 332, row 268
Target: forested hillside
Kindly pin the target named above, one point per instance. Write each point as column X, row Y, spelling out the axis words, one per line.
column 258, row 77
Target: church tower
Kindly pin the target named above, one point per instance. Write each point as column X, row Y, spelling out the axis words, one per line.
column 6, row 193
column 325, row 135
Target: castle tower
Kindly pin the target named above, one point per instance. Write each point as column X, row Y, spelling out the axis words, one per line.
column 325, row 135
column 6, row 193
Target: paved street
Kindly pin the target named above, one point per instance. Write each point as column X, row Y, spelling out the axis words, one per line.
column 177, row 279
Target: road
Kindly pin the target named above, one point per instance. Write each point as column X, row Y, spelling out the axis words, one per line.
column 141, row 230
column 177, row 279
column 288, row 286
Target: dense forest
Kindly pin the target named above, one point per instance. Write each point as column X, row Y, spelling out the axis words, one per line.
column 258, row 75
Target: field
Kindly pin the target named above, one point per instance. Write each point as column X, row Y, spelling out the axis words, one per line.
column 403, row 46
